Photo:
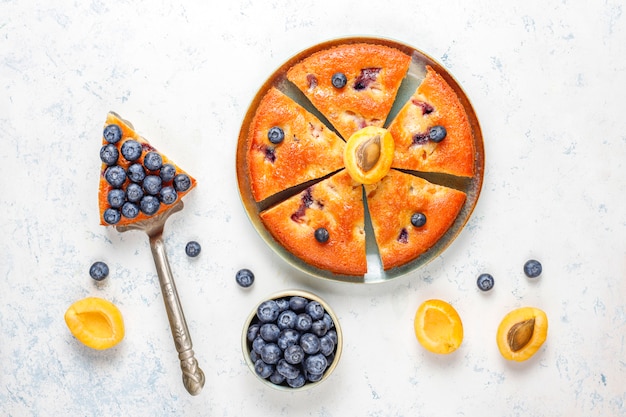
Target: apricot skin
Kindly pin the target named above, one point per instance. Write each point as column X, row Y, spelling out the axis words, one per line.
column 95, row 322
column 539, row 335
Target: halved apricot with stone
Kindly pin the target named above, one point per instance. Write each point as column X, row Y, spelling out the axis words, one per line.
column 438, row 326
column 521, row 333
column 95, row 322
column 368, row 154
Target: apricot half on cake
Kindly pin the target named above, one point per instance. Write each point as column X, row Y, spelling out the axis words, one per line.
column 438, row 326
column 95, row 322
column 368, row 154
column 521, row 333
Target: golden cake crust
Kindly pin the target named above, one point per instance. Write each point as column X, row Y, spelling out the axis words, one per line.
column 433, row 103
column 335, row 204
column 309, row 150
column 374, row 74
column 393, row 201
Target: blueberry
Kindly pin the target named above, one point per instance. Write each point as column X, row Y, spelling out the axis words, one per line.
column 111, row 216
column 134, row 192
column 136, row 173
column 296, row 382
column 152, row 184
column 287, row 370
column 258, row 343
column 294, row 354
column 254, row 356
column 115, row 176
column 168, row 195
column 297, row 303
column 418, row 219
column 130, row 210
column 153, row 161
column 287, row 338
column 109, row 154
column 339, row 80
column 269, row 332
column 149, row 205
column 332, row 334
column 244, row 277
column 437, row 133
column 310, row 343
column 263, row 369
column 182, row 182
column 532, row 268
column 327, row 346
column 267, row 311
column 313, row 377
column 286, row 320
column 316, row 364
column 328, row 320
column 283, row 303
column 321, row 235
column 303, row 322
column 276, row 135
column 116, row 198
column 253, row 331
column 99, row 270
column 315, row 310
column 271, row 353
column 112, row 133
column 276, row 378
column 485, row 282
column 167, row 172
column 319, row 328
column 192, row 249
column 131, row 150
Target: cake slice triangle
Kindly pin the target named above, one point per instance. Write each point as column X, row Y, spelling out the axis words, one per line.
column 392, row 204
column 137, row 182
column 367, row 78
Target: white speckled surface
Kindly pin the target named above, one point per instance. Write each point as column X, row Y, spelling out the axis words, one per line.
column 547, row 80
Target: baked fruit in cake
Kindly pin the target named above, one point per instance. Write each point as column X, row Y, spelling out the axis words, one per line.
column 323, row 225
column 137, row 182
column 409, row 215
column 288, row 146
column 352, row 85
column 432, row 132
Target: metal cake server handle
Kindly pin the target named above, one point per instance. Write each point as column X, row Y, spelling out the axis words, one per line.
column 193, row 377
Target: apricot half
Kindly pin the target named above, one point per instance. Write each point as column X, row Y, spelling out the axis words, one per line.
column 438, row 326
column 521, row 333
column 368, row 154
column 95, row 322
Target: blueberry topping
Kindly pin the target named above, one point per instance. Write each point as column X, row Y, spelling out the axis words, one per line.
column 131, row 150
column 116, row 198
column 321, row 235
column 287, row 369
column 115, row 176
column 269, row 332
column 418, row 219
column 532, row 268
column 270, row 154
column 149, row 205
column 153, row 161
column 420, row 138
column 271, row 353
column 111, row 216
column 310, row 343
column 485, row 282
column 426, row 108
column 294, row 354
column 192, row 249
column 130, row 210
column 263, row 369
column 339, row 80
column 244, row 277
column 168, row 195
column 403, row 237
column 182, row 182
column 134, row 192
column 276, row 135
column 267, row 311
column 112, row 133
column 286, row 320
column 315, row 364
column 152, row 184
column 367, row 76
column 109, row 154
column 315, row 310
column 437, row 133
column 311, row 81
column 99, row 271
column 167, row 172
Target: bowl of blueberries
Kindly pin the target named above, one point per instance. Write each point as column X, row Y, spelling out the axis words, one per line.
column 292, row 340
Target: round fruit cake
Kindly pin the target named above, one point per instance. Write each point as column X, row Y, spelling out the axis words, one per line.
column 317, row 169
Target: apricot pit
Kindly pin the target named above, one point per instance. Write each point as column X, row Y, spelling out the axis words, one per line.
column 521, row 333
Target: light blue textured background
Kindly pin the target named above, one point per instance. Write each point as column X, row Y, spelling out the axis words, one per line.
column 547, row 79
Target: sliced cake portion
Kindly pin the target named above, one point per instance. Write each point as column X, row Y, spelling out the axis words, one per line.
column 352, row 85
column 432, row 132
column 137, row 181
column 288, row 146
column 409, row 215
column 323, row 225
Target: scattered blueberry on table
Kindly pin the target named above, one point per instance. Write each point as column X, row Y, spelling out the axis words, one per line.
column 532, row 268
column 485, row 282
column 192, row 249
column 99, row 270
column 244, row 277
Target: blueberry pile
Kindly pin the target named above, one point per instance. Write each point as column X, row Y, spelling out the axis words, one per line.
column 291, row 341
column 144, row 185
